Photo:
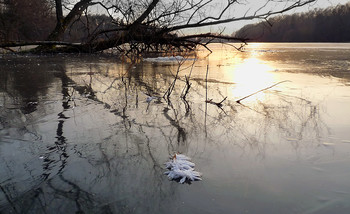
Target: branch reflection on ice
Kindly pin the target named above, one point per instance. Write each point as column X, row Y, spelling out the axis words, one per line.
column 94, row 144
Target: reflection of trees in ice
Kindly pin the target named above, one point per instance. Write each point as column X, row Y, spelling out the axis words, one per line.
column 102, row 146
column 281, row 118
column 114, row 162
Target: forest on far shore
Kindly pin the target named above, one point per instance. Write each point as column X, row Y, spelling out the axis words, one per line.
column 320, row 25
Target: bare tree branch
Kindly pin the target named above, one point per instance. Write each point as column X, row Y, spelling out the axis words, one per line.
column 235, row 19
column 150, row 24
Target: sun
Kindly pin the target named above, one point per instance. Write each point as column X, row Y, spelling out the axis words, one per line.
column 251, row 75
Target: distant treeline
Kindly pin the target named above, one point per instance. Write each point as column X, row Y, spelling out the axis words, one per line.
column 320, row 25
column 33, row 20
column 25, row 20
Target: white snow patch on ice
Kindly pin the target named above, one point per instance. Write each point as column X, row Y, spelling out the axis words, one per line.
column 167, row 59
column 181, row 168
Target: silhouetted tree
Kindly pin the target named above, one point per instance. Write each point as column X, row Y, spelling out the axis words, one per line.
column 151, row 25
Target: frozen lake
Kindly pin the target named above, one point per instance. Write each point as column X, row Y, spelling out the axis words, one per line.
column 90, row 134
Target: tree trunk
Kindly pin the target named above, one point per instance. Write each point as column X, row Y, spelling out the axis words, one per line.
column 59, row 12
column 63, row 23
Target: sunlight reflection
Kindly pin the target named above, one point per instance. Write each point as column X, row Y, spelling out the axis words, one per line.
column 252, row 75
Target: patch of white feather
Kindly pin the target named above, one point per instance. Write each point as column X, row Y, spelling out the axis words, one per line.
column 181, row 168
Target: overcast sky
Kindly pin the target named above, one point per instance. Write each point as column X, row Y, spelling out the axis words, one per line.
column 231, row 27
column 248, row 7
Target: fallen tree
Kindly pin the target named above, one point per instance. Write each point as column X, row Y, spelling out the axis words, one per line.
column 138, row 26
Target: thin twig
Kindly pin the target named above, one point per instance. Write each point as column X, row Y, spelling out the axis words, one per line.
column 218, row 104
column 206, row 104
column 206, row 83
column 239, row 101
column 187, row 87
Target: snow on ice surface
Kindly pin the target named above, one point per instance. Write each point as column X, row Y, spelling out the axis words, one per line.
column 181, row 168
column 166, row 59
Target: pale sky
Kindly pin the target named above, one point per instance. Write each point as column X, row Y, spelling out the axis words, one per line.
column 249, row 7
column 318, row 4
